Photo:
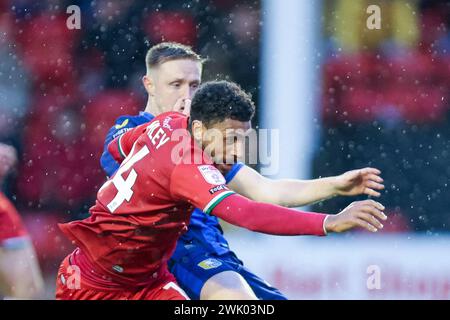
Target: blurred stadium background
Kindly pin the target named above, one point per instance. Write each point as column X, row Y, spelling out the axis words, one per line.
column 342, row 96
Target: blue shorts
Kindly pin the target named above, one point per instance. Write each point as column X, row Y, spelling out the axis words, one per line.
column 194, row 266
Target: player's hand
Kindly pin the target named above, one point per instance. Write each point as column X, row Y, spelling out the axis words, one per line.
column 365, row 214
column 361, row 181
column 8, row 157
column 183, row 105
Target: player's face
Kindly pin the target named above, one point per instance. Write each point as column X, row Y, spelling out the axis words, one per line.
column 225, row 141
column 174, row 80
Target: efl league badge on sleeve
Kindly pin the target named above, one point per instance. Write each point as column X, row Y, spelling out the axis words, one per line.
column 209, row 263
column 211, row 174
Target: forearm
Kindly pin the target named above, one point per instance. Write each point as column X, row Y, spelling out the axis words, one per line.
column 269, row 218
column 284, row 192
column 296, row 193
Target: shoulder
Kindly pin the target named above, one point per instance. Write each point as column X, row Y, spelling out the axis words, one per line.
column 170, row 124
column 169, row 139
column 127, row 122
column 172, row 120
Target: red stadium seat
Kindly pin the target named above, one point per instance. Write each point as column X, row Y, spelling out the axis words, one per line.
column 102, row 111
column 52, row 157
column 47, row 47
column 363, row 88
column 171, row 26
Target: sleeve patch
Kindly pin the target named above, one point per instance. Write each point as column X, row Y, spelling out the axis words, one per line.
column 211, row 174
column 123, row 124
column 216, row 200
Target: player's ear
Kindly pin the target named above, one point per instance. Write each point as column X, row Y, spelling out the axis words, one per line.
column 149, row 84
column 197, row 130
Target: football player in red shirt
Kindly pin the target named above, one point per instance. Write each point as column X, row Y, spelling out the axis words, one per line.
column 168, row 170
column 20, row 275
column 173, row 75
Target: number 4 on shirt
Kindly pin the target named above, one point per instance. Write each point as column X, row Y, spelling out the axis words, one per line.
column 124, row 186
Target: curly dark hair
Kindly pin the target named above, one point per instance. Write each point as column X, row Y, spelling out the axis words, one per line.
column 216, row 101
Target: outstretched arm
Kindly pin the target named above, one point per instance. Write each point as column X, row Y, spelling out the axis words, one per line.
column 203, row 186
column 295, row 193
column 277, row 220
column 284, row 192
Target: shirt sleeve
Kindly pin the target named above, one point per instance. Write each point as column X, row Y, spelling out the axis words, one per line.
column 11, row 226
column 107, row 161
column 269, row 218
column 233, row 171
column 121, row 146
column 203, row 186
column 229, row 170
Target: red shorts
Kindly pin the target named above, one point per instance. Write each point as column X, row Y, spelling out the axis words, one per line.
column 70, row 286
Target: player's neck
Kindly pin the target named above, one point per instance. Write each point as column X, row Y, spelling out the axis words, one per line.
column 152, row 108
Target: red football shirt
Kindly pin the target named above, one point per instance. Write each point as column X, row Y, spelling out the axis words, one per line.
column 146, row 205
column 11, row 226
